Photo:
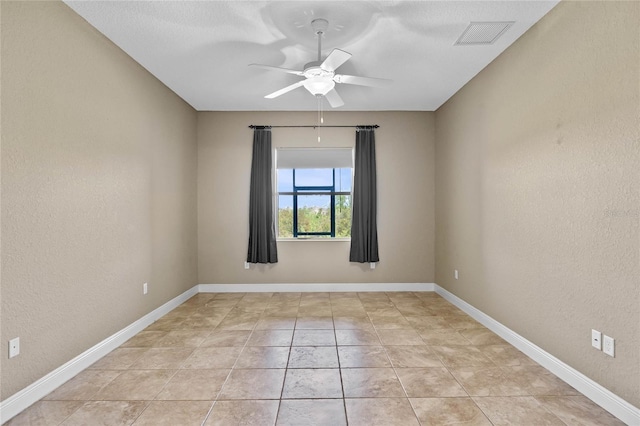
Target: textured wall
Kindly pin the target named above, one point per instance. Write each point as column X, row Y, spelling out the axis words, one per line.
column 404, row 148
column 537, row 200
column 98, row 189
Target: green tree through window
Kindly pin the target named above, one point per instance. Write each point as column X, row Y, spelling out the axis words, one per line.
column 314, row 203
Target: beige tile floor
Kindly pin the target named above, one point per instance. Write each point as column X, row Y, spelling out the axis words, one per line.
column 315, row 359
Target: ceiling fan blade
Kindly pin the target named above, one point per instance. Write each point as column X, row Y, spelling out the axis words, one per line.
column 362, row 81
column 336, row 58
column 285, row 90
column 269, row 67
column 334, row 99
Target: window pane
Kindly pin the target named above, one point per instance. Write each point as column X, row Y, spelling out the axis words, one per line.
column 285, row 180
column 314, row 213
column 314, row 177
column 343, row 216
column 343, row 180
column 285, row 216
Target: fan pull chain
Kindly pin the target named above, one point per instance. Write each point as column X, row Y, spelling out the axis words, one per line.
column 320, row 117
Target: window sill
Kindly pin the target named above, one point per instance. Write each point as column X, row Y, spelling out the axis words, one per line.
column 312, row 239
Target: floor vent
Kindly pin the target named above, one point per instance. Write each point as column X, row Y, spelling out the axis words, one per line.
column 479, row 33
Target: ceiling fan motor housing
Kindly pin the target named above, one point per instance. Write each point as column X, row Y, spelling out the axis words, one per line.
column 313, row 69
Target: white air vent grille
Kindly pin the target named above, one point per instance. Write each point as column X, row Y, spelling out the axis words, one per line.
column 483, row 32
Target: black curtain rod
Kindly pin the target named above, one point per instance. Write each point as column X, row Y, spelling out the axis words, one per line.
column 253, row 126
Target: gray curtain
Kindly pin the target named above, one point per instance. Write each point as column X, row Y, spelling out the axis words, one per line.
column 364, row 228
column 262, row 232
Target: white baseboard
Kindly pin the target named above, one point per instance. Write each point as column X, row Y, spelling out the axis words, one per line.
column 314, row 287
column 592, row 390
column 18, row 402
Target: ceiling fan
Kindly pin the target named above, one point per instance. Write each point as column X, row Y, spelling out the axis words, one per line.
column 320, row 76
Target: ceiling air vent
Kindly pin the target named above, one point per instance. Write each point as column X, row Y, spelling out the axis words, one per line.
column 478, row 33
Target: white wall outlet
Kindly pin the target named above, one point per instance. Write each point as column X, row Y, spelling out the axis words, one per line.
column 247, row 265
column 14, row 347
column 596, row 339
column 372, row 265
column 455, row 274
column 145, row 288
column 608, row 345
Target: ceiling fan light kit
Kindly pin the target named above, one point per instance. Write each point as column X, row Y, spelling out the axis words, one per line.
column 320, row 76
column 318, row 86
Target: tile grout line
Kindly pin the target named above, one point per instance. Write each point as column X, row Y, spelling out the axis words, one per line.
column 394, row 367
column 284, row 379
column 455, row 378
column 375, row 329
column 206, row 417
column 344, row 396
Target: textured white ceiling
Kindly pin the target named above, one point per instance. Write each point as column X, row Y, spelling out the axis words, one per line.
column 202, row 49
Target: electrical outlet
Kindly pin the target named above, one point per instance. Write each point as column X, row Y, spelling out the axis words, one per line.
column 144, row 288
column 608, row 345
column 14, row 347
column 596, row 339
column 372, row 265
column 455, row 274
column 246, row 265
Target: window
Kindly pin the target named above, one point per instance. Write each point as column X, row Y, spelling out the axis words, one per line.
column 314, row 192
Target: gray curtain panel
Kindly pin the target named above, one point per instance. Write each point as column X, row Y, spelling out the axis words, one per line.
column 364, row 227
column 262, row 230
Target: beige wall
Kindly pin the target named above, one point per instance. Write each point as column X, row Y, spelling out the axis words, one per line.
column 404, row 150
column 98, row 189
column 537, row 179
